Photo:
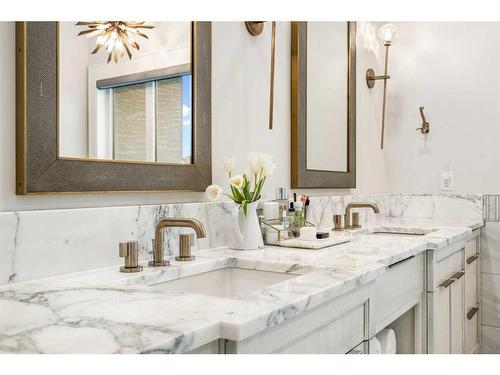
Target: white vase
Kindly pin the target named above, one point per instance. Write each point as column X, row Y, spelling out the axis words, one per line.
column 247, row 232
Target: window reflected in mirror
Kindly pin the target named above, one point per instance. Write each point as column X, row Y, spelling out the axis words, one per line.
column 136, row 109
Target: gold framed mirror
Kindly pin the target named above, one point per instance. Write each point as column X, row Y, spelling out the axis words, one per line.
column 140, row 123
column 323, row 105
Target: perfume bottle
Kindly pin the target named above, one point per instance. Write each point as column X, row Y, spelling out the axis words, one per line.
column 282, row 196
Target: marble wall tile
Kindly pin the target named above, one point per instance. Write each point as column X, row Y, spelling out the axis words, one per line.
column 434, row 206
column 490, row 340
column 491, row 207
column 490, row 300
column 35, row 244
column 428, row 206
column 322, row 209
column 8, row 242
column 490, row 247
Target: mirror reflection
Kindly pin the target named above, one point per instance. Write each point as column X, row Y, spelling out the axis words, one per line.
column 327, row 96
column 127, row 102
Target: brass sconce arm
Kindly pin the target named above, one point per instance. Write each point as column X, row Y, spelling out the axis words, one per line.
column 371, row 78
column 255, row 28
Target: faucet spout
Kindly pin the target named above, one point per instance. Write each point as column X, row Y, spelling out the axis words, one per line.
column 158, row 250
column 347, row 216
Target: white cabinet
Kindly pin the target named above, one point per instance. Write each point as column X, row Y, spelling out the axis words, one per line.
column 457, row 314
column 445, row 300
column 432, row 297
column 446, row 316
column 439, row 321
column 334, row 327
column 472, row 293
column 401, row 289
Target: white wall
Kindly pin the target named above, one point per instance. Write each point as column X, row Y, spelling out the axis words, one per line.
column 73, row 109
column 240, row 76
column 453, row 70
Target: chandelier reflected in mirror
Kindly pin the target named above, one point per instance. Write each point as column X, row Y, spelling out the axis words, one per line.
column 117, row 37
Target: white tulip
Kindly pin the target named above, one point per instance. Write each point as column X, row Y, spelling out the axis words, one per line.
column 268, row 168
column 266, row 164
column 213, row 192
column 236, row 181
column 229, row 165
column 254, row 160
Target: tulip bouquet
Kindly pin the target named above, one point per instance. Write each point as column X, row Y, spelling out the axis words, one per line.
column 246, row 188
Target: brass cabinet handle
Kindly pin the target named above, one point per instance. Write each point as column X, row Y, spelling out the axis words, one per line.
column 472, row 259
column 401, row 261
column 472, row 312
column 458, row 275
column 447, row 283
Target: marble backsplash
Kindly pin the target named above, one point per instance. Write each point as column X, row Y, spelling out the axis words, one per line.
column 428, row 206
column 35, row 244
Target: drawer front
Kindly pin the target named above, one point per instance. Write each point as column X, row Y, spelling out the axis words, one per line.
column 337, row 337
column 471, row 333
column 402, row 284
column 471, row 248
column 445, row 268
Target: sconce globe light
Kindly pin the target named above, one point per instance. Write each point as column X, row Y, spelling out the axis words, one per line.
column 388, row 33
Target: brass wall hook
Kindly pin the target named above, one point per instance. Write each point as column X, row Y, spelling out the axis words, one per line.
column 255, row 28
column 424, row 129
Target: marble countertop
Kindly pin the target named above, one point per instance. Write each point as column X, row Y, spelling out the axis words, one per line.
column 105, row 311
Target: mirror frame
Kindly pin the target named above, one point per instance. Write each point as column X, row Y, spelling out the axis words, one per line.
column 302, row 177
column 39, row 170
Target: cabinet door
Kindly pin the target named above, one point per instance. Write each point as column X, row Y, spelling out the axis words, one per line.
column 440, row 327
column 457, row 316
column 471, row 303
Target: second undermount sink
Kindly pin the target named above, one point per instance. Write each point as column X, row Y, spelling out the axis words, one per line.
column 403, row 234
column 399, row 234
column 225, row 282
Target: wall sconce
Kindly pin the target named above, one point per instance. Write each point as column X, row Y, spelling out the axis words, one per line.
column 255, row 28
column 388, row 34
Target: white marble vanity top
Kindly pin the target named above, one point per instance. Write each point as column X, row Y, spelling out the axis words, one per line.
column 105, row 311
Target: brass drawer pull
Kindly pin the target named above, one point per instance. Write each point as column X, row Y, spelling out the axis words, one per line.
column 447, row 283
column 458, row 275
column 472, row 259
column 400, row 261
column 472, row 312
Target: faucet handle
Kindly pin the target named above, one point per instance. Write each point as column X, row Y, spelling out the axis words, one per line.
column 130, row 251
column 161, row 262
column 184, row 248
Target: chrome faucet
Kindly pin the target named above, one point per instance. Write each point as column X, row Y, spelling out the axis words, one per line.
column 347, row 215
column 158, row 260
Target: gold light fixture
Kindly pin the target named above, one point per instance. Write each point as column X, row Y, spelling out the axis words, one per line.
column 388, row 34
column 255, row 28
column 116, row 36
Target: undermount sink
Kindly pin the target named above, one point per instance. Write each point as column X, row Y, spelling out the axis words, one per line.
column 225, row 282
